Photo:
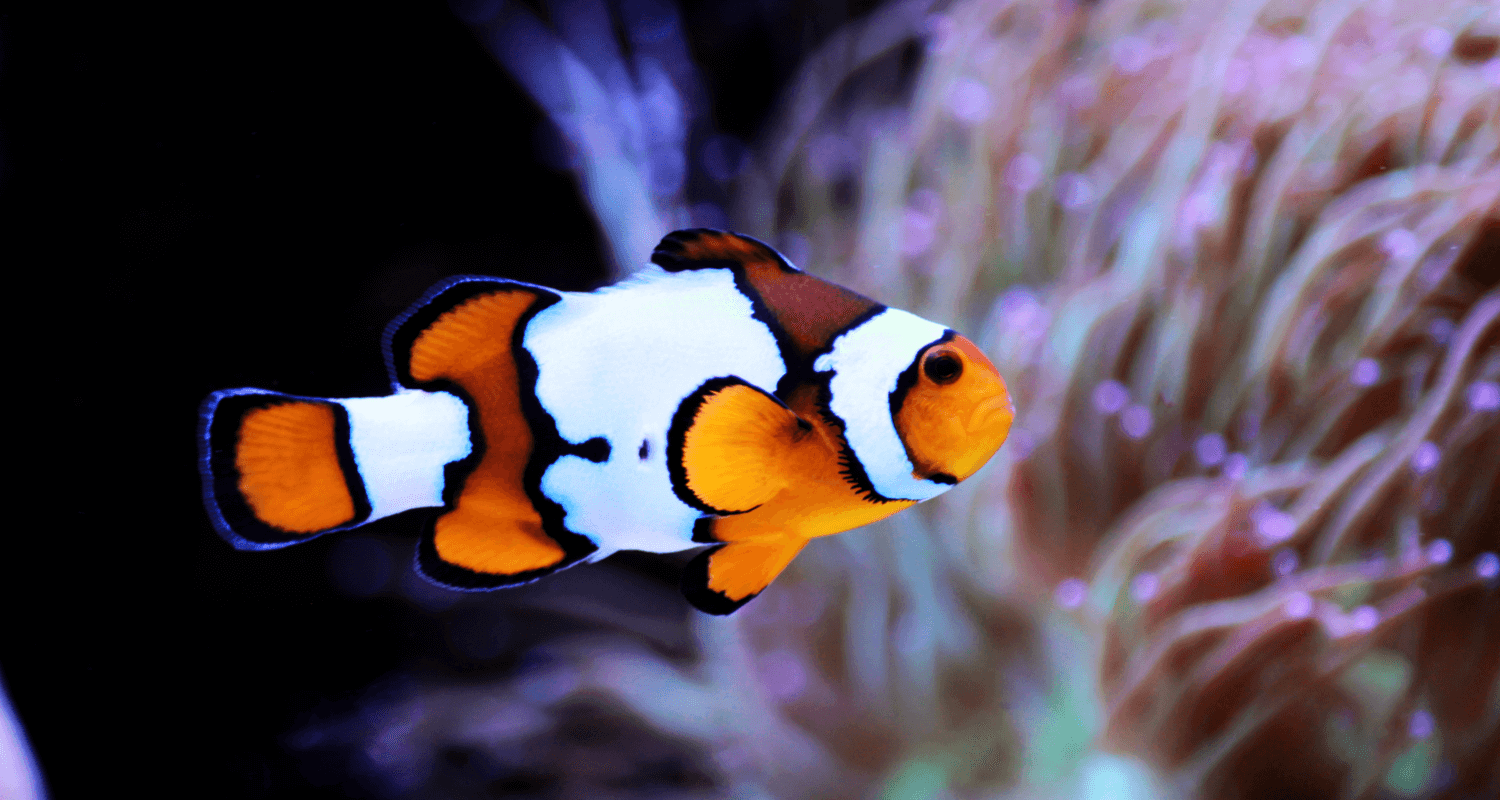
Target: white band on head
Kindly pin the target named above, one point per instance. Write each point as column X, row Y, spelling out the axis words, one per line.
column 866, row 361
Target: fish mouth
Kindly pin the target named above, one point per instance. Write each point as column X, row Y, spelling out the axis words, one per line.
column 996, row 412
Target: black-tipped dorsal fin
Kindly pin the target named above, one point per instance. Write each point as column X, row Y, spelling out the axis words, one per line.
column 705, row 248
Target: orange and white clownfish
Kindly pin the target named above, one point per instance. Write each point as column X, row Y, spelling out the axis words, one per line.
column 721, row 397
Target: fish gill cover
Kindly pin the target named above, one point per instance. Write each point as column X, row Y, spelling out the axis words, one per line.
column 1240, row 264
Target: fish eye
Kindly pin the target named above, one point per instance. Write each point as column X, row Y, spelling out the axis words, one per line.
column 943, row 368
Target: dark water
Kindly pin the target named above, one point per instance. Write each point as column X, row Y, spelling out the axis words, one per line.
column 204, row 196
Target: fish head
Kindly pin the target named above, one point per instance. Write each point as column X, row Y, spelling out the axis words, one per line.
column 955, row 412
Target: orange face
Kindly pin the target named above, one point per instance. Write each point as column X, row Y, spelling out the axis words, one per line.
column 957, row 414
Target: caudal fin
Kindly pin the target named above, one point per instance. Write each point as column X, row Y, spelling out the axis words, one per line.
column 279, row 469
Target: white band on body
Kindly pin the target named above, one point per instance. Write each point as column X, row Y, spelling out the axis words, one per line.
column 866, row 361
column 401, row 444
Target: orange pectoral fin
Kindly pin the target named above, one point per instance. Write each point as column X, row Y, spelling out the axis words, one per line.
column 726, row 449
column 723, row 578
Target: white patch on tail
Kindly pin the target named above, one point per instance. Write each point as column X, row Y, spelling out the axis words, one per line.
column 401, row 444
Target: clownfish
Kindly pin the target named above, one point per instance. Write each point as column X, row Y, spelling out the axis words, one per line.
column 719, row 397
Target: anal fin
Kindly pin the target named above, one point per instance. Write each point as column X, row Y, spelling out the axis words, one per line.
column 487, row 542
column 723, row 578
column 493, row 535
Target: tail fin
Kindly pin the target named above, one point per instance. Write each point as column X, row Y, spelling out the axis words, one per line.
column 279, row 469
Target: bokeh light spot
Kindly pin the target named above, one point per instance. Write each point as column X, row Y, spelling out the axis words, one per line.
column 1272, row 525
column 1425, row 458
column 1421, row 724
column 1071, row 593
column 1110, row 396
column 1365, row 373
column 1075, row 191
column 1400, row 244
column 1210, row 449
column 1107, row 776
column 1414, row 772
column 970, row 101
column 1484, row 396
column 1135, row 421
column 1023, row 173
column 1437, row 42
column 1298, row 605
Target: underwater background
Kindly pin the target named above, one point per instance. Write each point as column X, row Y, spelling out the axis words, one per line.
column 1239, row 263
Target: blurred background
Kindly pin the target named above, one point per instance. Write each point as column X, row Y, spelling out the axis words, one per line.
column 1238, row 261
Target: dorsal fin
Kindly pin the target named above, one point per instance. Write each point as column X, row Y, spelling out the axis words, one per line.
column 808, row 312
column 705, row 248
column 454, row 343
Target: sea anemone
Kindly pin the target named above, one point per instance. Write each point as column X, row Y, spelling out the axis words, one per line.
column 1239, row 262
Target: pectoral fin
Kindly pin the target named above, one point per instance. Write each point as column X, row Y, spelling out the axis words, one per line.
column 723, row 578
column 727, row 447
